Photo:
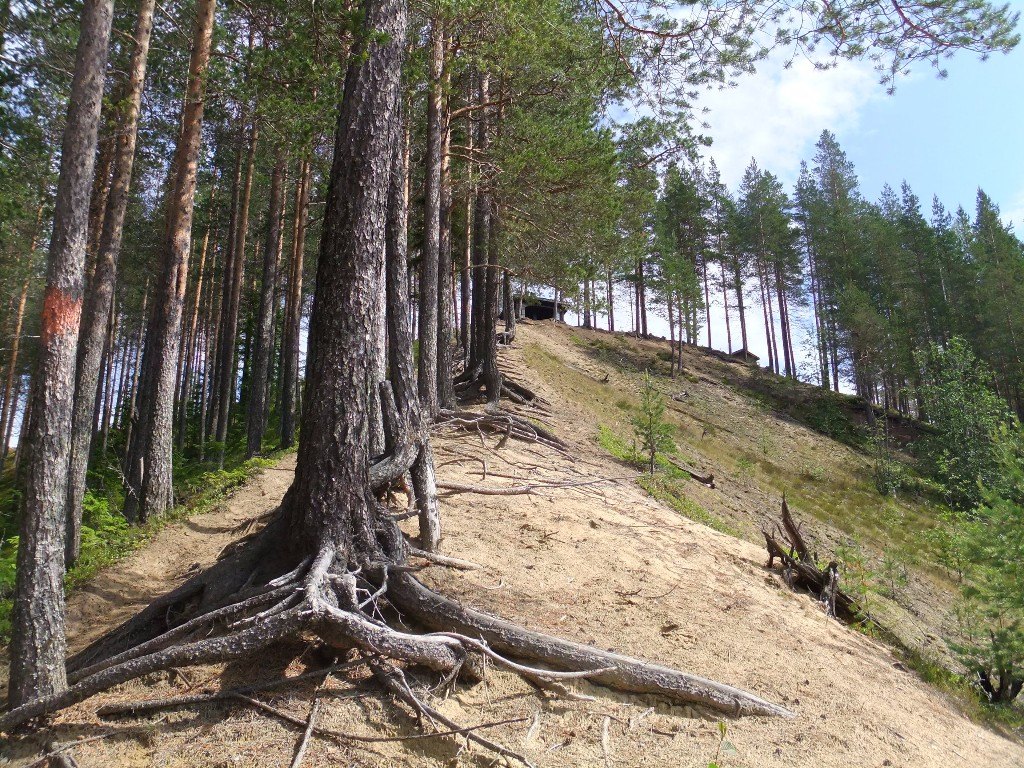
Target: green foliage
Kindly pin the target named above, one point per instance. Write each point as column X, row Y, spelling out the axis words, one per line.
column 889, row 473
column 669, row 487
column 725, row 747
column 859, row 579
column 824, row 414
column 961, row 451
column 990, row 542
column 653, row 433
column 745, row 465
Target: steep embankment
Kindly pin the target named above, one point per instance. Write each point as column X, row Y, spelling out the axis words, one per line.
column 596, row 560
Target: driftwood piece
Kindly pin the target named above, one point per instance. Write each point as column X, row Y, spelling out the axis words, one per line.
column 800, row 572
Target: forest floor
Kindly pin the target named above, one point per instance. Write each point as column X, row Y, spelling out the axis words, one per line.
column 602, row 563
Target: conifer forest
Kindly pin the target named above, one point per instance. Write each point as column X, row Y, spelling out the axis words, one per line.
column 435, row 269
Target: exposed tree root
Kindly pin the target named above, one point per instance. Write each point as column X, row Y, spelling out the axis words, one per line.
column 799, row 570
column 603, row 667
column 262, row 593
column 471, row 383
column 503, row 423
column 392, row 678
column 323, row 598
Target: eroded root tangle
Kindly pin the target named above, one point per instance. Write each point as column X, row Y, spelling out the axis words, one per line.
column 344, row 605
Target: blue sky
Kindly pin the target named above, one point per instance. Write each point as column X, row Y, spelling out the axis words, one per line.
column 944, row 136
column 948, row 137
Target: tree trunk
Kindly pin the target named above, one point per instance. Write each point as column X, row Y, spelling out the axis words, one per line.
column 301, row 575
column 150, row 490
column 129, row 415
column 100, row 297
column 231, row 304
column 611, row 304
column 466, row 272
column 8, row 426
column 481, row 234
column 429, row 258
column 508, row 307
column 445, row 292
column 738, row 287
column 407, row 408
column 7, row 415
column 707, row 299
column 671, row 338
column 328, row 498
column 293, row 308
column 725, row 301
column 193, row 340
column 641, row 298
column 37, row 625
column 257, row 405
column 489, row 344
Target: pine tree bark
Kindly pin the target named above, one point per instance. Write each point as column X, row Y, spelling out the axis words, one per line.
column 257, row 405
column 725, row 302
column 193, row 340
column 129, row 416
column 293, row 308
column 610, row 290
column 231, row 303
column 671, row 337
column 407, row 407
column 37, row 627
column 429, row 278
column 8, row 426
column 108, row 381
column 99, row 299
column 445, row 291
column 328, row 498
column 466, row 271
column 150, row 489
column 481, row 234
column 737, row 284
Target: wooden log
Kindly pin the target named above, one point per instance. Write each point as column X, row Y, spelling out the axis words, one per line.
column 705, row 479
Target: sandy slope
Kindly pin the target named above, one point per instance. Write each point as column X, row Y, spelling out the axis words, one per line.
column 600, row 563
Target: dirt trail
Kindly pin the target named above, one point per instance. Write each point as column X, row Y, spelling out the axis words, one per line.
column 601, row 563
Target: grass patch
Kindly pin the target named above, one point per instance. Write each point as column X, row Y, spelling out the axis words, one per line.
column 667, row 485
column 617, row 446
column 670, row 492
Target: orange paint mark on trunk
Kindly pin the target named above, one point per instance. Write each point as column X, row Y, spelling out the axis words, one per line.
column 61, row 313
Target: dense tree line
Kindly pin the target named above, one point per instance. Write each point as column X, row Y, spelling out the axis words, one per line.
column 252, row 222
column 875, row 285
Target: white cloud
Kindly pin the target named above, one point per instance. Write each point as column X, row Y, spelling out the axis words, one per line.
column 777, row 114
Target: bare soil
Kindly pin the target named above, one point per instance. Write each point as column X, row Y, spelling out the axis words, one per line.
column 601, row 563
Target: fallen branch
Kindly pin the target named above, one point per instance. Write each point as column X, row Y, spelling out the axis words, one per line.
column 705, row 479
column 521, row 490
column 59, row 750
column 300, row 750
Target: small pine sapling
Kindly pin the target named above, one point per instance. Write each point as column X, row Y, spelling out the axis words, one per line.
column 653, row 433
